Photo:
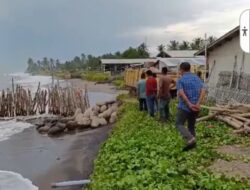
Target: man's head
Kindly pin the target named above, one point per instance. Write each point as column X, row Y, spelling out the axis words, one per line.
column 185, row 67
column 149, row 73
column 143, row 76
column 164, row 70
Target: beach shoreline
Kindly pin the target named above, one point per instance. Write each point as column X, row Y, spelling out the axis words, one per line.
column 45, row 160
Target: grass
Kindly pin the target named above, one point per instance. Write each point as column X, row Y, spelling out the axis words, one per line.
column 96, row 76
column 142, row 154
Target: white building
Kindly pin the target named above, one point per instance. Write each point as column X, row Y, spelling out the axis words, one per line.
column 229, row 68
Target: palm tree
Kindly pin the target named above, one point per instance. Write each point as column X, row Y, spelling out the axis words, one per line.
column 197, row 44
column 162, row 53
column 184, row 45
column 173, row 45
column 143, row 51
column 211, row 39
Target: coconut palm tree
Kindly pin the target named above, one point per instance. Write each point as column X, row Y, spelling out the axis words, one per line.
column 197, row 44
column 162, row 53
column 184, row 45
column 173, row 45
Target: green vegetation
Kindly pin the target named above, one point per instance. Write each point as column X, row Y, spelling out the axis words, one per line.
column 81, row 64
column 143, row 154
column 96, row 76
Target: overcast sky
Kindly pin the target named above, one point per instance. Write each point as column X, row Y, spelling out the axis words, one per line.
column 65, row 28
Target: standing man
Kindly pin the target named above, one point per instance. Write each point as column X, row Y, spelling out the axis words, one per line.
column 165, row 84
column 190, row 91
column 151, row 92
column 141, row 93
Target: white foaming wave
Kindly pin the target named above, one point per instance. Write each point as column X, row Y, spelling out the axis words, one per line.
column 14, row 181
column 9, row 128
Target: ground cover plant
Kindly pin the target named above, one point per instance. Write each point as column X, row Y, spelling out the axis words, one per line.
column 142, row 154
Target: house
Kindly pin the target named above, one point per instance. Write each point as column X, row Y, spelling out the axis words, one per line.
column 229, row 68
column 181, row 53
column 116, row 66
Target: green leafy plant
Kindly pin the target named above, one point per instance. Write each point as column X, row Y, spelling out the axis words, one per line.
column 142, row 154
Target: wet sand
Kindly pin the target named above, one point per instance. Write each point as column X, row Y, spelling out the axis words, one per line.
column 45, row 160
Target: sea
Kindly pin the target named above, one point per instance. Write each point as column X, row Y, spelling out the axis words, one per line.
column 10, row 180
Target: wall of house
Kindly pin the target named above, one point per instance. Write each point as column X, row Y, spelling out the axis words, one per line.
column 224, row 58
column 224, row 84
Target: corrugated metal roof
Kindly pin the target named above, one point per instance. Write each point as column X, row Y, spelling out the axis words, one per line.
column 126, row 61
column 181, row 53
column 172, row 62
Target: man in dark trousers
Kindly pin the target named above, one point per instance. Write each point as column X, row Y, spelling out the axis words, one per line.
column 190, row 91
column 151, row 92
column 165, row 84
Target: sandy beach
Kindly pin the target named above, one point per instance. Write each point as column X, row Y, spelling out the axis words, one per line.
column 45, row 160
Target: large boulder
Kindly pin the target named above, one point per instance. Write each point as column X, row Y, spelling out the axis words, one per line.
column 100, row 104
column 56, row 130
column 95, row 122
column 103, row 121
column 110, row 101
column 88, row 113
column 96, row 109
column 79, row 117
column 113, row 118
column 71, row 125
column 84, row 122
column 44, row 129
column 103, row 108
column 106, row 114
column 39, row 123
column 114, row 107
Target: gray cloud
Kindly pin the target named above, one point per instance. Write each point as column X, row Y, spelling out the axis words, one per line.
column 65, row 28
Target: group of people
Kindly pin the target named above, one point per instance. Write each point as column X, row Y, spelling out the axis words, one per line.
column 155, row 96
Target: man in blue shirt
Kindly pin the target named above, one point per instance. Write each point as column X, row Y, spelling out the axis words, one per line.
column 141, row 92
column 190, row 91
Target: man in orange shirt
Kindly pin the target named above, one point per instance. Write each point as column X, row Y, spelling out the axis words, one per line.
column 151, row 92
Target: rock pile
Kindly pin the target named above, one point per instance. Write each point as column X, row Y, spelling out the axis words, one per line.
column 100, row 115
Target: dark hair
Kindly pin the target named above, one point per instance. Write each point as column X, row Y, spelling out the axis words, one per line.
column 143, row 76
column 154, row 75
column 185, row 66
column 164, row 70
column 149, row 73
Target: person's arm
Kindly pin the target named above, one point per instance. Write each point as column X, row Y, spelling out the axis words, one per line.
column 160, row 88
column 183, row 96
column 138, row 90
column 173, row 84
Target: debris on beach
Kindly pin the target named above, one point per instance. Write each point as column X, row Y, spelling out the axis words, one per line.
column 101, row 114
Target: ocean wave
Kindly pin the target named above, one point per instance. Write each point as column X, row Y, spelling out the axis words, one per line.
column 14, row 181
column 9, row 128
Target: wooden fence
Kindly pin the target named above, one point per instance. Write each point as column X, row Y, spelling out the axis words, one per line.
column 54, row 100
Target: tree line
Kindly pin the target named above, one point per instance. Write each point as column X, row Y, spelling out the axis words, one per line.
column 195, row 44
column 83, row 62
column 90, row 62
